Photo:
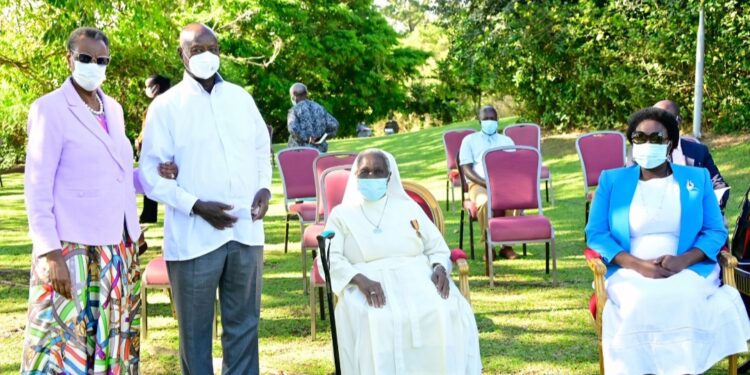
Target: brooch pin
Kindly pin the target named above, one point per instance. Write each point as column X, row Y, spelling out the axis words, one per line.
column 690, row 185
column 415, row 225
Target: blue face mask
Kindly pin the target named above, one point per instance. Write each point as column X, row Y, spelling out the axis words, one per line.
column 489, row 127
column 372, row 189
column 650, row 156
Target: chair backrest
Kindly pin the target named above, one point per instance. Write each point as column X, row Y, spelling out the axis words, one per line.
column 599, row 151
column 326, row 161
column 452, row 141
column 512, row 178
column 295, row 169
column 426, row 201
column 332, row 186
column 462, row 178
column 527, row 134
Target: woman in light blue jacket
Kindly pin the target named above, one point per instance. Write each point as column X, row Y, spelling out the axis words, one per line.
column 659, row 230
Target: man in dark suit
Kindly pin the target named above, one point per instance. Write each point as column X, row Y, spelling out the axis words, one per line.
column 692, row 153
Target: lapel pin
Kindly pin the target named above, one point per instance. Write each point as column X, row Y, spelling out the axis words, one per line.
column 690, row 185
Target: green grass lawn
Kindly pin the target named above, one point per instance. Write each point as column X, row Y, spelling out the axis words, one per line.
column 526, row 325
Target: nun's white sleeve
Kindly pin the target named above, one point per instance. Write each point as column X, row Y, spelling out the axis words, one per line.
column 342, row 270
column 435, row 247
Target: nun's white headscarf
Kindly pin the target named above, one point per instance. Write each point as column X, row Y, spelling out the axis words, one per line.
column 395, row 190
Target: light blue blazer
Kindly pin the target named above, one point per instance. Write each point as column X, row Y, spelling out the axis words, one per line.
column 701, row 223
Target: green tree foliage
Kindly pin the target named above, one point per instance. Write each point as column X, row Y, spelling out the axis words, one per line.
column 591, row 63
column 345, row 52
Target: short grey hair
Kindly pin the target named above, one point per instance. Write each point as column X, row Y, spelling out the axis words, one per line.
column 297, row 89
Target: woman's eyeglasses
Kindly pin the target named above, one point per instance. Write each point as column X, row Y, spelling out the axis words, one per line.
column 88, row 59
column 640, row 137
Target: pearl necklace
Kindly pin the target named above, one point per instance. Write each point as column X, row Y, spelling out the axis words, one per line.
column 101, row 106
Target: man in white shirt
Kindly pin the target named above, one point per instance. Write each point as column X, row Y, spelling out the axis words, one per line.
column 472, row 165
column 213, row 230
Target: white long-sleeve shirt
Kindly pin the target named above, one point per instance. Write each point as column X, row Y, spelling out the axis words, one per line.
column 220, row 144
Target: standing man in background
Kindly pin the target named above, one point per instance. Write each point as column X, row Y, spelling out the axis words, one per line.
column 213, row 230
column 309, row 124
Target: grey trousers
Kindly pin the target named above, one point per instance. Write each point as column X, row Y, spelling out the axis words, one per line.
column 236, row 269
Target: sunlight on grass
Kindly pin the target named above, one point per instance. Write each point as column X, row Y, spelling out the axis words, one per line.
column 526, row 325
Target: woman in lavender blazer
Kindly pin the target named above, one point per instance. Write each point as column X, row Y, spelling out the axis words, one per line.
column 84, row 290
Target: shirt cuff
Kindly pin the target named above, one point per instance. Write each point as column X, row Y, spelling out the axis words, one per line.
column 46, row 246
column 185, row 202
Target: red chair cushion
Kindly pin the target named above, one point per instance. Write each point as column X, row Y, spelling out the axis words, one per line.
column 457, row 254
column 310, row 237
column 518, row 228
column 592, row 305
column 545, row 173
column 306, row 210
column 156, row 272
column 315, row 275
column 471, row 207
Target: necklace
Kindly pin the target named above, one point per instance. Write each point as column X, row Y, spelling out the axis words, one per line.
column 664, row 184
column 377, row 229
column 101, row 106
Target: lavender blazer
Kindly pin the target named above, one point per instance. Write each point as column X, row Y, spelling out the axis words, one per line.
column 78, row 179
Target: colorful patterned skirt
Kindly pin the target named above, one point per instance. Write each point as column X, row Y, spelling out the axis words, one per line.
column 97, row 332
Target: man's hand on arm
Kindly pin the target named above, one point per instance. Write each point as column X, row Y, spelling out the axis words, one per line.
column 215, row 214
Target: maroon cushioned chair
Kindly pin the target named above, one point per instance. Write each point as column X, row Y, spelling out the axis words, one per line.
column 513, row 184
column 529, row 134
column 298, row 181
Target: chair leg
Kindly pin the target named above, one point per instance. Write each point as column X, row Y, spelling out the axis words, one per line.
column 144, row 312
column 171, row 303
column 453, row 198
column 546, row 189
column 447, row 199
column 733, row 364
column 461, row 231
column 490, row 269
column 216, row 316
column 586, row 221
column 524, row 249
column 546, row 257
column 286, row 235
column 304, row 270
column 313, row 322
column 471, row 237
column 601, row 358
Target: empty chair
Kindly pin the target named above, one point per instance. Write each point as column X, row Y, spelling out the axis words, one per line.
column 513, row 184
column 298, row 181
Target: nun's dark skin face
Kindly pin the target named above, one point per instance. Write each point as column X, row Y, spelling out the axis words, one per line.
column 373, row 165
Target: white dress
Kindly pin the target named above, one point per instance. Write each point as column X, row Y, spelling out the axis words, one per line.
column 683, row 324
column 417, row 331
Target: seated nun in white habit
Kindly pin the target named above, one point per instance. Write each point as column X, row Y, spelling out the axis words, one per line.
column 398, row 311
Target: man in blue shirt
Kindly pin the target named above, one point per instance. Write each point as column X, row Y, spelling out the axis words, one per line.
column 308, row 122
column 471, row 163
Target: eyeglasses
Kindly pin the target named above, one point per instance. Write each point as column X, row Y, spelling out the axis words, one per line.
column 640, row 137
column 87, row 59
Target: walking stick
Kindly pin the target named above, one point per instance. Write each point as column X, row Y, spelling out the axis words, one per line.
column 328, row 235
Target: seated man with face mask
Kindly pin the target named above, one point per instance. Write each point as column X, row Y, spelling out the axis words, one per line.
column 398, row 312
column 470, row 159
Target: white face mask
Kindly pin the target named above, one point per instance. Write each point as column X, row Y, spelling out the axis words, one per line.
column 150, row 92
column 89, row 76
column 650, row 156
column 204, row 65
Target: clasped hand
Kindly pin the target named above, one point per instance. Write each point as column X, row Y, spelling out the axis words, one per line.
column 662, row 267
column 375, row 295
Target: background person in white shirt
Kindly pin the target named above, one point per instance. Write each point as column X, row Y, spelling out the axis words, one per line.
column 470, row 160
column 213, row 230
